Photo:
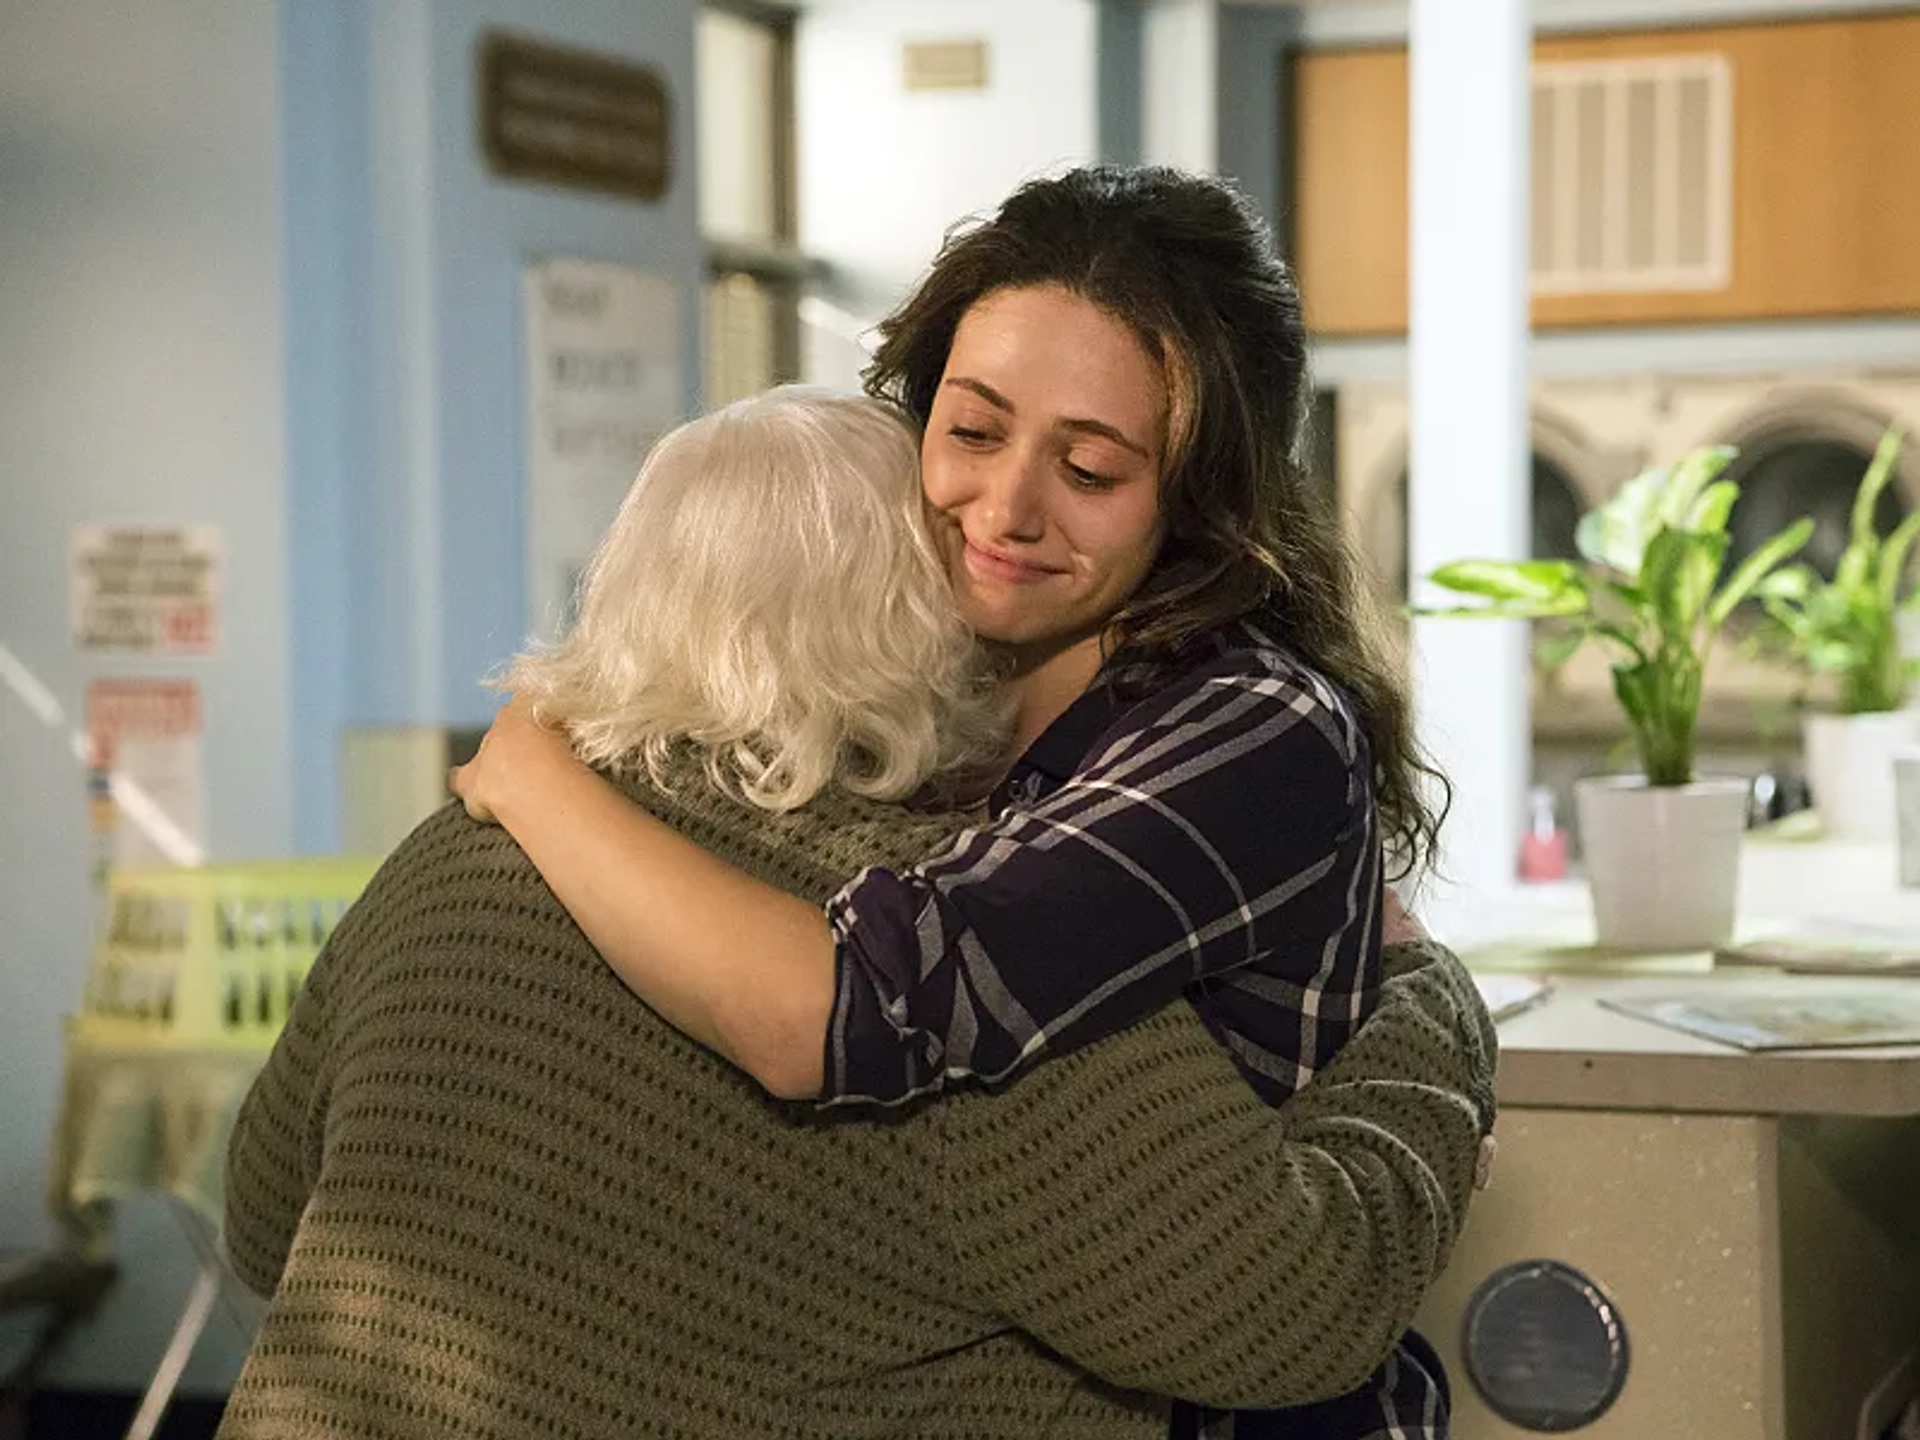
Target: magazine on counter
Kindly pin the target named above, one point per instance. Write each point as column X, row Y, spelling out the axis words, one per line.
column 1830, row 947
column 1508, row 995
column 1796, row 1019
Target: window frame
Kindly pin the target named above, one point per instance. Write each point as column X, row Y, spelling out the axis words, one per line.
column 779, row 265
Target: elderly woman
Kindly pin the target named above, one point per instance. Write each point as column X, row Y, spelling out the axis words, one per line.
column 491, row 1193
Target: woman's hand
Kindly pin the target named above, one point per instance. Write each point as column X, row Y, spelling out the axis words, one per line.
column 743, row 968
column 516, row 749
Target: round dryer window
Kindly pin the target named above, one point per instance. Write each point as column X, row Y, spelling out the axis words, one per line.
column 1786, row 476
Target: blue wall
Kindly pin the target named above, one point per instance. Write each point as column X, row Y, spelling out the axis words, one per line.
column 407, row 482
column 327, row 144
column 141, row 349
column 255, row 275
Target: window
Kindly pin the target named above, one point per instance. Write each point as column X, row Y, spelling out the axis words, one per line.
column 756, row 276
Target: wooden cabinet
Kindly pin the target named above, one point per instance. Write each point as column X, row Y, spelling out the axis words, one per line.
column 1825, row 159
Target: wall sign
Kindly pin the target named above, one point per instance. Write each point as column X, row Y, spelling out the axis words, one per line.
column 573, row 118
column 144, row 589
column 945, row 64
column 144, row 748
column 603, row 383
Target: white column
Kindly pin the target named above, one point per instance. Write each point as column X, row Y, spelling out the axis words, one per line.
column 1471, row 124
column 1179, row 84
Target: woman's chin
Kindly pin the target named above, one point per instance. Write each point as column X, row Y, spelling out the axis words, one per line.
column 1004, row 622
column 1002, row 627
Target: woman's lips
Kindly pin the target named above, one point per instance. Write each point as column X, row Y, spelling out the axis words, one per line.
column 987, row 564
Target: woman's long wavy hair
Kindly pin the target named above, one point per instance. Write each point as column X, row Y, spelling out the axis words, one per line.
column 1187, row 263
column 769, row 595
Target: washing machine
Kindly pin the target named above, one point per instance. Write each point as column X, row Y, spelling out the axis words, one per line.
column 1586, row 440
column 1804, row 441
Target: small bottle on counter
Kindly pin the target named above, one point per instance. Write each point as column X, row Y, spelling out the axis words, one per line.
column 1543, row 849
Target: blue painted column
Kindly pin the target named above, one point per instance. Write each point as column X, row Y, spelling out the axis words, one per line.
column 406, row 391
column 1468, row 371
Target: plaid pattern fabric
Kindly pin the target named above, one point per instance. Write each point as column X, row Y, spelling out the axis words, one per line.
column 1408, row 1399
column 1218, row 840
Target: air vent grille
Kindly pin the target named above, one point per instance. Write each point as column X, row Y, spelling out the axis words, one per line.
column 1632, row 175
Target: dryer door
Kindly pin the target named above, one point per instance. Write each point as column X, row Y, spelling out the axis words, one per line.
column 1788, row 473
column 1803, row 450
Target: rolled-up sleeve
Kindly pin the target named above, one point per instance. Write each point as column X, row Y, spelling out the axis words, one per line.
column 1224, row 825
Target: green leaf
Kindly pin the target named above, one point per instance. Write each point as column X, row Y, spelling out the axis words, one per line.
column 1688, row 480
column 1590, row 537
column 1677, row 577
column 1616, row 534
column 1511, row 581
column 1854, row 572
column 1789, row 582
column 1893, row 560
column 1633, row 687
column 1794, row 626
column 1710, row 511
column 1866, row 500
column 1755, row 567
column 1833, row 655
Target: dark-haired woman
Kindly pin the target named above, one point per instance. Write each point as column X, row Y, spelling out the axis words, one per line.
column 1213, row 769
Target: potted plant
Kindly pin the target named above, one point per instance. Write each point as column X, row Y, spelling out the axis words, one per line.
column 1849, row 628
column 1663, row 846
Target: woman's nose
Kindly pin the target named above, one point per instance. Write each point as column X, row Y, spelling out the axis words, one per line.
column 1011, row 498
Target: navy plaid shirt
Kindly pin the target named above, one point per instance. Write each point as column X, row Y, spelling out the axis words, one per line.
column 1218, row 840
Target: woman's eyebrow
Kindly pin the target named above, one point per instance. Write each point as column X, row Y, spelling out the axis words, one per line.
column 985, row 391
column 1078, row 427
column 1107, row 432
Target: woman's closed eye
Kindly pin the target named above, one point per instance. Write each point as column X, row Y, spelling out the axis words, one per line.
column 1086, row 479
column 968, row 435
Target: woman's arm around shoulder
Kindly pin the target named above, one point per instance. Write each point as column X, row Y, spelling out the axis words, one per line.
column 734, row 963
column 1138, row 1209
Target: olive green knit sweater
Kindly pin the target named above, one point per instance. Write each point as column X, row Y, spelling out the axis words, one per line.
column 493, row 1195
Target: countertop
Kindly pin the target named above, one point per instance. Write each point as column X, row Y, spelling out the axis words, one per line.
column 1568, row 1051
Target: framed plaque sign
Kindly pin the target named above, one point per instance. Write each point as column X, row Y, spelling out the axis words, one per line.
column 574, row 118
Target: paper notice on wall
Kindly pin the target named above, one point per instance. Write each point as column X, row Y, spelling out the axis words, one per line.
column 144, row 737
column 603, row 357
column 145, row 589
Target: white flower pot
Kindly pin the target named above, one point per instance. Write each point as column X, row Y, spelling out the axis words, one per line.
column 1850, row 770
column 1663, row 861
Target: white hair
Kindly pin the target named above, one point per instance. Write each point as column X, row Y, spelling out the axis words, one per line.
column 769, row 592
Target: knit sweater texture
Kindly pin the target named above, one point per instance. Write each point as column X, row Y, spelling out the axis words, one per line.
column 493, row 1195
